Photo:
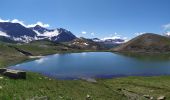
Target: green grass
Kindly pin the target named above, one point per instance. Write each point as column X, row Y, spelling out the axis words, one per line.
column 104, row 89
column 36, row 85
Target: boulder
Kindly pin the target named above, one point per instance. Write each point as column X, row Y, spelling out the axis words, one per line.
column 15, row 74
column 161, row 98
column 40, row 98
column 87, row 97
column 2, row 70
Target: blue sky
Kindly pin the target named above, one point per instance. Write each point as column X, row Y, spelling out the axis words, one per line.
column 95, row 18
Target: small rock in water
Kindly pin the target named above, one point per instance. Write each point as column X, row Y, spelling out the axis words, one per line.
column 161, row 98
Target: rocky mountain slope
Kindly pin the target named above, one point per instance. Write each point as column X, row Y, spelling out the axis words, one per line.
column 109, row 43
column 85, row 44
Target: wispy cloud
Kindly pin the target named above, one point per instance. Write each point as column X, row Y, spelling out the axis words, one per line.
column 39, row 23
column 166, row 27
column 116, row 36
column 83, row 32
column 1, row 20
column 93, row 34
column 18, row 21
column 88, row 33
column 22, row 23
column 139, row 33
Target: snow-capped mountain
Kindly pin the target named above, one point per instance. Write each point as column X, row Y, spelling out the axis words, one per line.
column 57, row 35
column 96, row 40
column 17, row 32
column 109, row 41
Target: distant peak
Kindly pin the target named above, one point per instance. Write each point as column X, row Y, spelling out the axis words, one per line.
column 38, row 26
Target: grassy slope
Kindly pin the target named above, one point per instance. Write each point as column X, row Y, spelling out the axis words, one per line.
column 9, row 55
column 152, row 43
column 105, row 89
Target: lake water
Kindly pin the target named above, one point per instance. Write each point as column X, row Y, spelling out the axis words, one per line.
column 96, row 65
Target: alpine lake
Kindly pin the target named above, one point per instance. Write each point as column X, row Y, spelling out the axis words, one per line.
column 97, row 65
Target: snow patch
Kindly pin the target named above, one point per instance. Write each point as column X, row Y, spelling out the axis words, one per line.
column 47, row 33
column 167, row 33
column 4, row 34
column 86, row 44
column 24, row 38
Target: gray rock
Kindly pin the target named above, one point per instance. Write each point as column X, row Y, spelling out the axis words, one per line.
column 161, row 98
column 39, row 98
column 147, row 96
column 2, row 70
column 15, row 74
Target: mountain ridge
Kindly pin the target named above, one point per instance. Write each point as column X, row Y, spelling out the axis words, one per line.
column 18, row 32
column 148, row 42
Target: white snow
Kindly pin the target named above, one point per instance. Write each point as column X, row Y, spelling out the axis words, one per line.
column 113, row 37
column 85, row 44
column 168, row 33
column 4, row 34
column 24, row 38
column 48, row 34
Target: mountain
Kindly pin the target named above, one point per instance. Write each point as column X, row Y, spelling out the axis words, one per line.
column 6, row 40
column 57, row 35
column 148, row 43
column 63, row 36
column 96, row 40
column 17, row 32
column 109, row 43
column 40, row 29
column 85, row 44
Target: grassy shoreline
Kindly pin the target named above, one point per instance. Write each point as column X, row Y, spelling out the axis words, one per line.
column 37, row 86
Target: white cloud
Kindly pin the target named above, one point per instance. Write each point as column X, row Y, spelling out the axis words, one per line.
column 113, row 37
column 1, row 20
column 93, row 34
column 166, row 27
column 116, row 36
column 38, row 23
column 139, row 33
column 84, row 32
column 18, row 21
column 22, row 23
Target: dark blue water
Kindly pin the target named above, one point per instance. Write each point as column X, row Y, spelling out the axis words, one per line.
column 95, row 65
